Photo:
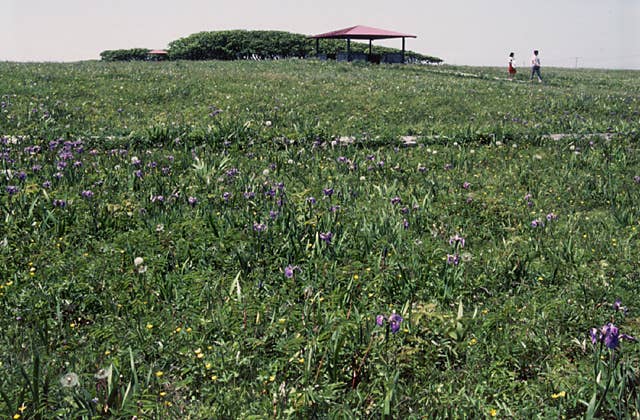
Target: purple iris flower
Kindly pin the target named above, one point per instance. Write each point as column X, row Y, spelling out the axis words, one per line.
column 537, row 223
column 617, row 306
column 192, row 201
column 12, row 189
column 457, row 240
column 249, row 195
column 453, row 259
column 259, row 227
column 609, row 335
column 636, row 179
column 328, row 192
column 232, row 172
column 466, row 185
column 380, row 320
column 394, row 322
column 311, row 200
column 158, row 198
column 326, row 237
column 59, row 203
column 226, row 196
column 405, row 223
column 46, row 184
column 396, row 200
column 552, row 216
column 290, row 270
column 88, row 194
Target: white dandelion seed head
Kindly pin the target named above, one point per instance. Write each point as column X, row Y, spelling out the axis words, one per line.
column 69, row 380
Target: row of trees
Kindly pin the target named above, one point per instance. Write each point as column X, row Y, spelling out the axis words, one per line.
column 240, row 44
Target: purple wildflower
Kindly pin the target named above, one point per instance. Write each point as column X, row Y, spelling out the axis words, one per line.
column 457, row 240
column 59, row 203
column 22, row 175
column 551, row 216
column 138, row 173
column 327, row 236
column 636, row 179
column 328, row 192
column 453, row 259
column 192, row 201
column 226, row 196
column 405, row 223
column 609, row 335
column 289, row 271
column 466, row 185
column 87, row 194
column 158, row 198
column 311, row 200
column 249, row 195
column 380, row 320
column 394, row 322
column 46, row 184
column 617, row 306
column 537, row 223
column 259, row 227
column 396, row 200
column 12, row 189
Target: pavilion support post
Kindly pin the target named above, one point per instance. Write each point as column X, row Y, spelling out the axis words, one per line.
column 348, row 49
column 402, row 50
column 317, row 47
column 370, row 47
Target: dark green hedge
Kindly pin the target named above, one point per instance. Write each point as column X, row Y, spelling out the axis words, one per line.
column 133, row 54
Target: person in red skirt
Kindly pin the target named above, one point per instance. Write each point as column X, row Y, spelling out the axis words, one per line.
column 512, row 66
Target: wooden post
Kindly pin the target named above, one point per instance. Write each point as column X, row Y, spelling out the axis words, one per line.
column 370, row 47
column 402, row 50
column 348, row 49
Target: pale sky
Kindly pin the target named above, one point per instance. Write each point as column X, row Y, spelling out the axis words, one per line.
column 591, row 33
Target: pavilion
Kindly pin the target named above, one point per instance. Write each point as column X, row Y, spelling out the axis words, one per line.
column 362, row 32
column 157, row 55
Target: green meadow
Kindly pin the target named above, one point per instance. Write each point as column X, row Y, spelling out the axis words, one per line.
column 306, row 239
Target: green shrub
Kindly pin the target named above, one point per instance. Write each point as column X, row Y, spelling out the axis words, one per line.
column 132, row 54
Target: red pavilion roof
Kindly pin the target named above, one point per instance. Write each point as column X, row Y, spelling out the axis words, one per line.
column 363, row 32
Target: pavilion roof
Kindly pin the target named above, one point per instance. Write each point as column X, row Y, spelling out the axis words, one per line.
column 363, row 32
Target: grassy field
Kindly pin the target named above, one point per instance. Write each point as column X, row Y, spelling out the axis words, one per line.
column 255, row 240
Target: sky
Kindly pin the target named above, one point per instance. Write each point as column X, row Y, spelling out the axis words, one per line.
column 568, row 33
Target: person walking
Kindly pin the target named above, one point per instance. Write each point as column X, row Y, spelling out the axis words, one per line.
column 535, row 66
column 512, row 66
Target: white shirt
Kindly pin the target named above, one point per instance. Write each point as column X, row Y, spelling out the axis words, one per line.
column 535, row 61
